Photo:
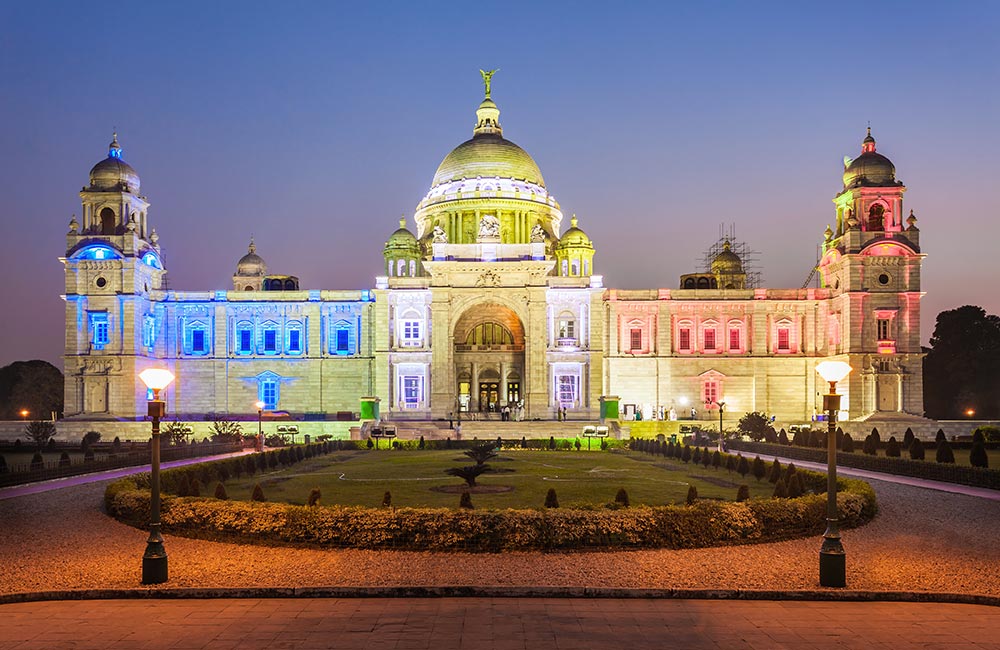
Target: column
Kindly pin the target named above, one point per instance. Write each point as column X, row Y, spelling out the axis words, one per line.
column 503, row 383
column 474, row 388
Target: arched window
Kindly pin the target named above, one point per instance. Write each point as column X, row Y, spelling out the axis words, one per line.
column 490, row 334
column 566, row 329
column 876, row 217
column 268, row 390
column 413, row 268
column 290, row 285
column 689, row 283
column 400, row 267
column 703, row 283
column 411, row 330
column 565, row 267
column 107, row 221
column 248, row 288
column 575, row 268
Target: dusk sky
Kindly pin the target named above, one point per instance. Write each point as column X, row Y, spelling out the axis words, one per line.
column 315, row 126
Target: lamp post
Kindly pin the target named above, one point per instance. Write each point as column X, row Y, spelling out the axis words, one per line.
column 154, row 560
column 832, row 558
column 24, row 414
column 260, row 426
column 722, row 407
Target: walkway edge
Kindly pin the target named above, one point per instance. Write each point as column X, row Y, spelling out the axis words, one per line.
column 498, row 592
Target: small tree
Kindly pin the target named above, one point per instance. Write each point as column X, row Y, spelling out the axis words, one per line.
column 944, row 452
column 621, row 498
column 780, row 489
column 552, row 442
column 465, row 501
column 730, row 463
column 847, row 445
column 706, row 458
column 716, row 459
column 220, row 491
column 482, row 452
column 917, row 449
column 742, row 466
column 37, row 462
column 696, row 455
column 421, row 444
column 116, row 445
column 686, row 454
column 258, row 493
column 789, row 472
column 524, row 442
column 783, row 438
column 577, row 444
column 743, row 493
column 794, row 486
column 468, row 473
column 978, row 456
column 39, row 432
column 64, row 459
column 756, row 425
column 892, row 448
column 692, row 495
column 759, row 469
column 176, row 433
column 907, row 438
column 89, row 440
column 940, row 437
column 775, row 473
column 370, row 444
column 314, row 496
column 551, row 500
column 387, row 499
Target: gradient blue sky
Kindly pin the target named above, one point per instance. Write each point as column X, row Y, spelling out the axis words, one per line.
column 314, row 126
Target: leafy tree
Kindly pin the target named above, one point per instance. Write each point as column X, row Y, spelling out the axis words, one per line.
column 962, row 366
column 756, row 425
column 226, row 431
column 90, row 439
column 917, row 449
column 892, row 448
column 759, row 470
column 469, row 473
column 944, row 452
column 35, row 386
column 978, row 456
column 39, row 432
column 692, row 495
column 743, row 492
column 175, row 432
column 780, row 489
column 482, row 452
column 551, row 500
column 743, row 466
column 621, row 498
column 775, row 473
column 988, row 433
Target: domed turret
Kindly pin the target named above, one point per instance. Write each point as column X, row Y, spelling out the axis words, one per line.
column 113, row 173
column 402, row 252
column 727, row 262
column 870, row 169
column 250, row 270
column 574, row 252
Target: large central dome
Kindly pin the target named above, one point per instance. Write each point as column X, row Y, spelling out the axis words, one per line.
column 488, row 155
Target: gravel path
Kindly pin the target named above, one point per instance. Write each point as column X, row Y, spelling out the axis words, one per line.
column 922, row 540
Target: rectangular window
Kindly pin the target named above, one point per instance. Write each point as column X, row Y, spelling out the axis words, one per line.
column 270, row 341
column 882, row 325
column 411, row 392
column 294, row 341
column 269, row 394
column 734, row 339
column 148, row 332
column 784, row 339
column 343, row 341
column 711, row 392
column 684, row 339
column 635, row 342
column 709, row 340
column 245, row 341
column 99, row 336
column 198, row 341
column 567, row 329
column 411, row 332
column 567, row 390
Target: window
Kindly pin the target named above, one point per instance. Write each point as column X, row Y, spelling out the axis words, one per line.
column 586, row 267
column 343, row 341
column 710, row 391
column 635, row 340
column 411, row 391
column 710, row 339
column 784, row 339
column 734, row 339
column 567, row 328
column 489, row 334
column 882, row 325
column 99, row 336
column 294, row 341
column 565, row 267
column 270, row 341
column 566, row 386
column 684, row 339
column 267, row 390
column 196, row 339
column 148, row 332
column 244, row 338
column 400, row 267
column 413, row 268
column 411, row 333
column 575, row 267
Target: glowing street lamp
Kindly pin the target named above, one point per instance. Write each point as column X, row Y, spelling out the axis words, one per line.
column 24, row 414
column 722, row 407
column 968, row 412
column 260, row 428
column 832, row 558
column 154, row 560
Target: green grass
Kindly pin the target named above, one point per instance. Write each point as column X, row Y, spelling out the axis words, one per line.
column 580, row 478
column 961, row 455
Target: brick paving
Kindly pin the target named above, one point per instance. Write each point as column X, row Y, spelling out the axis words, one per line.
column 493, row 623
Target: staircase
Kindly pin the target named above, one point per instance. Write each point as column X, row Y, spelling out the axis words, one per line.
column 485, row 429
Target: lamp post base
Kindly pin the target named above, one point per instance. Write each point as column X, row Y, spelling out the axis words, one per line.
column 832, row 569
column 154, row 562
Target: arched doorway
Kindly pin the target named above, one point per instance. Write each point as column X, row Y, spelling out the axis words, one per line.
column 489, row 358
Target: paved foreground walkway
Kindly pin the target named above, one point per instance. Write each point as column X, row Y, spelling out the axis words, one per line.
column 494, row 623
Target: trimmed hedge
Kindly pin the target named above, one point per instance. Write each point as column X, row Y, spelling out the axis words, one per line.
column 964, row 475
column 705, row 523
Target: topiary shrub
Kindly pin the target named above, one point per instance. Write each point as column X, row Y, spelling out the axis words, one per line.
column 370, row 444
column 795, row 486
column 220, row 491
column 184, row 486
column 780, row 489
column 907, row 438
column 272, row 459
column 696, row 455
column 706, row 458
column 551, row 500
column 742, row 466
column 258, row 493
column 604, row 444
column 892, row 448
column 64, row 459
column 621, row 498
column 387, row 499
column 978, row 456
column 116, row 445
column 758, row 469
column 783, row 438
column 847, row 444
column 37, row 462
column 88, row 456
column 944, row 452
column 940, row 437
column 18, row 444
column 716, row 459
column 775, row 473
column 524, row 442
column 51, row 445
column 195, row 488
column 686, row 454
column 917, row 449
column 465, row 501
column 421, row 444
column 577, row 444
column 730, row 463
column 314, row 497
column 552, row 443
column 743, row 493
column 692, row 495
column 789, row 472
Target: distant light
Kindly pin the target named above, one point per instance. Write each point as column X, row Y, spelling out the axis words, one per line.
column 156, row 378
column 683, row 401
column 260, row 406
column 833, row 371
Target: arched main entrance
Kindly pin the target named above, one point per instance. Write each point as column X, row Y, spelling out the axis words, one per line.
column 489, row 359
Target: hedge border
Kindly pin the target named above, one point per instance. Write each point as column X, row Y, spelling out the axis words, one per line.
column 705, row 523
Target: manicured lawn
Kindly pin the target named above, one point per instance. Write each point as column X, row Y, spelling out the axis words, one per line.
column 961, row 455
column 579, row 478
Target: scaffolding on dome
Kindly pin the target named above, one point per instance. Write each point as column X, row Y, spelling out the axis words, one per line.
column 747, row 255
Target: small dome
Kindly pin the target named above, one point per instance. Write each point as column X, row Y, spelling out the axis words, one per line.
column 402, row 238
column 574, row 237
column 870, row 168
column 251, row 264
column 113, row 172
column 727, row 262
